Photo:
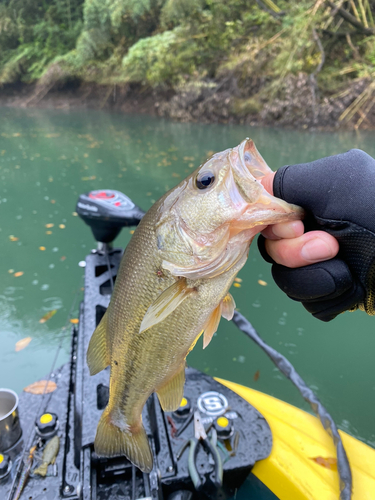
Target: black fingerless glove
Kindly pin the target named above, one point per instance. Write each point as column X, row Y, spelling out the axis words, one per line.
column 338, row 194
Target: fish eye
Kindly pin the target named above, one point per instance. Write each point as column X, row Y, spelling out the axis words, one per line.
column 204, row 180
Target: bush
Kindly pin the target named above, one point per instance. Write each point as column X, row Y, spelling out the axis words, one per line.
column 164, row 58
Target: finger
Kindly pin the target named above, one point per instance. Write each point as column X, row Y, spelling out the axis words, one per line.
column 267, row 182
column 284, row 230
column 314, row 246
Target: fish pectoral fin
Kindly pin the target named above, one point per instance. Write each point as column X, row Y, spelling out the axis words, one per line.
column 112, row 440
column 171, row 394
column 98, row 355
column 211, row 325
column 166, row 303
column 228, row 307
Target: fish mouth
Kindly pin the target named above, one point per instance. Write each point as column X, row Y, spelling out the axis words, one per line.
column 258, row 207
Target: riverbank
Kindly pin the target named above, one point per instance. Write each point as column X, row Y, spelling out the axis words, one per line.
column 298, row 104
column 304, row 64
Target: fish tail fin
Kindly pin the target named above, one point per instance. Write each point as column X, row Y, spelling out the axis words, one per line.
column 42, row 469
column 98, row 355
column 112, row 440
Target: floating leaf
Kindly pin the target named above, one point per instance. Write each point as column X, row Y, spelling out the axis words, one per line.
column 256, row 375
column 99, row 161
column 51, row 135
column 328, row 463
column 239, row 280
column 53, row 202
column 237, row 285
column 50, row 224
column 18, row 274
column 16, row 134
column 21, row 344
column 131, row 231
column 62, row 226
column 63, row 258
column 10, row 271
column 262, row 282
column 48, row 232
column 13, row 238
column 42, row 248
column 74, row 214
column 86, row 155
column 48, row 316
column 91, row 178
column 75, row 321
column 41, row 387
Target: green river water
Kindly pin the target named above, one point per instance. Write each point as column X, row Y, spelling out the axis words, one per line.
column 49, row 157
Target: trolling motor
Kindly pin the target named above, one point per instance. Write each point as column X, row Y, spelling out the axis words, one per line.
column 107, row 211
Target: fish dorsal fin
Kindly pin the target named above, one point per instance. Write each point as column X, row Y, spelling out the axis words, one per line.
column 228, row 307
column 211, row 325
column 171, row 394
column 98, row 354
column 165, row 304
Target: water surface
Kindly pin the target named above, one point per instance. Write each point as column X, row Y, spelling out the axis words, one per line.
column 47, row 158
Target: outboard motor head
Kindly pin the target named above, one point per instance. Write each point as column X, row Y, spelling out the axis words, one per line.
column 107, row 211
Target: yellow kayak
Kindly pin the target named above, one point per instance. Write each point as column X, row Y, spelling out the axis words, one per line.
column 301, row 465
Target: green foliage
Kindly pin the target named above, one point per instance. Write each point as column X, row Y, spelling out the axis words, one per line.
column 33, row 33
column 163, row 58
column 175, row 42
column 176, row 12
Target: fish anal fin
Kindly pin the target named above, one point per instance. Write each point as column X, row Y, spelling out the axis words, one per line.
column 112, row 440
column 166, row 303
column 228, row 307
column 98, row 355
column 170, row 395
column 211, row 325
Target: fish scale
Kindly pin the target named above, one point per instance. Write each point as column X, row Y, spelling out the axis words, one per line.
column 172, row 285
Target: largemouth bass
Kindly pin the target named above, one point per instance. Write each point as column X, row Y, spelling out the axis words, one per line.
column 173, row 285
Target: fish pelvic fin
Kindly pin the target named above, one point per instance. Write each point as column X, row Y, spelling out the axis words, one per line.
column 113, row 440
column 165, row 304
column 228, row 306
column 170, row 394
column 226, row 309
column 41, row 470
column 98, row 355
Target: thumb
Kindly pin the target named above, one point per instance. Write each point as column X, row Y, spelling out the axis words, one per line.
column 324, row 186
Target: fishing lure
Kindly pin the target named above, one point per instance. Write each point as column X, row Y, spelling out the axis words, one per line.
column 25, row 473
column 49, row 456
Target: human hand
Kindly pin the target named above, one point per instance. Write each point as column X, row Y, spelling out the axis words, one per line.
column 338, row 193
